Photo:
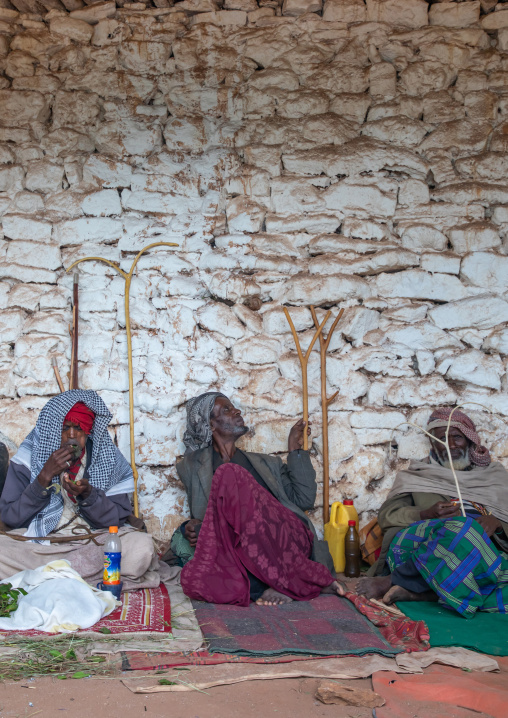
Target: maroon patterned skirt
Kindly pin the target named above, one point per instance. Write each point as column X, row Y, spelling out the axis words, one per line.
column 245, row 528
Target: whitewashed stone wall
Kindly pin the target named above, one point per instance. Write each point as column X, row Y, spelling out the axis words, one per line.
column 351, row 155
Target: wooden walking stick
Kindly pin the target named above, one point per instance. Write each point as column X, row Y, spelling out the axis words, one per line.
column 304, row 359
column 58, row 378
column 128, row 278
column 325, row 402
column 73, row 377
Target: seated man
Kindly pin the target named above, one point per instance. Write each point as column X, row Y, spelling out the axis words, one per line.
column 440, row 554
column 68, row 479
column 255, row 540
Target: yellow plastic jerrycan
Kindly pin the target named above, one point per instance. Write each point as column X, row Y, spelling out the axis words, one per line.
column 335, row 531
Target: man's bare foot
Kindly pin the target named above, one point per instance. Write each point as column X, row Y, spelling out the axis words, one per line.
column 337, row 587
column 374, row 587
column 271, row 597
column 397, row 593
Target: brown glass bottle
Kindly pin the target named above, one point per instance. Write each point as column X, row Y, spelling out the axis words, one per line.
column 352, row 550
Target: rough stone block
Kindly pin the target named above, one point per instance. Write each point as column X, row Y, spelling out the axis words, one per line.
column 409, row 13
column 444, row 263
column 474, row 237
column 127, row 137
column 102, row 204
column 94, row 13
column 497, row 341
column 34, row 254
column 11, row 325
column 44, row 176
column 75, row 108
column 483, row 269
column 495, row 21
column 244, row 215
column 66, row 142
column 77, row 30
column 360, row 199
column 303, row 289
column 11, row 178
column 223, row 18
column 482, row 311
column 20, row 64
column 294, row 8
column 416, row 284
column 218, row 317
column 474, row 367
column 90, row 229
column 144, row 57
column 433, row 391
column 419, row 78
column 345, row 11
column 22, row 108
column 20, row 227
column 256, row 350
column 454, row 14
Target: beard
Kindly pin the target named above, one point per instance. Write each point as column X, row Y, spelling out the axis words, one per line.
column 459, row 464
column 235, row 429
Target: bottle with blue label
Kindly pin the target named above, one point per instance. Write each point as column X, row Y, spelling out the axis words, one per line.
column 112, row 563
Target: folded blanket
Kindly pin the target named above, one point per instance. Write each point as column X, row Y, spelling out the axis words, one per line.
column 57, row 600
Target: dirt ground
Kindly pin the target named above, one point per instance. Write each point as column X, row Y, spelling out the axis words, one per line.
column 288, row 698
column 109, row 697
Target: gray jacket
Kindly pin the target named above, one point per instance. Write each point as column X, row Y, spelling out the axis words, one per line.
column 293, row 484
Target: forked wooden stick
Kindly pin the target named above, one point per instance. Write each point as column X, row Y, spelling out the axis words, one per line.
column 127, row 287
column 325, row 402
column 304, row 359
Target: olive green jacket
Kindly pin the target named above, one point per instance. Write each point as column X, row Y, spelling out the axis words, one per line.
column 403, row 510
column 293, row 484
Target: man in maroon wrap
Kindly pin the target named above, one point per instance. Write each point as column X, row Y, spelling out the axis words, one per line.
column 252, row 538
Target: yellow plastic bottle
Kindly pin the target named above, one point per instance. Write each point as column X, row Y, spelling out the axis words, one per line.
column 335, row 531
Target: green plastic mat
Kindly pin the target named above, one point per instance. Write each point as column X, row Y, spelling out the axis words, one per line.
column 486, row 632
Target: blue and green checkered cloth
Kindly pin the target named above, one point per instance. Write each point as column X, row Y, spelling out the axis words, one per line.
column 458, row 561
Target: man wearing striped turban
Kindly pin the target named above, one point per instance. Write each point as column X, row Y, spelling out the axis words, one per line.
column 433, row 549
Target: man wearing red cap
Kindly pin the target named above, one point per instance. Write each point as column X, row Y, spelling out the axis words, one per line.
column 69, row 479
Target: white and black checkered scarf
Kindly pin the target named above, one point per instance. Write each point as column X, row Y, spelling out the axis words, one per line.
column 108, row 469
column 198, row 433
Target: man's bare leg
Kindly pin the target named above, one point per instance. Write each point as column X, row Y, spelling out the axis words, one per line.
column 375, row 587
column 271, row 597
column 397, row 593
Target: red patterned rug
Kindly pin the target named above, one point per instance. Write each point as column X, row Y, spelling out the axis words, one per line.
column 143, row 612
column 399, row 631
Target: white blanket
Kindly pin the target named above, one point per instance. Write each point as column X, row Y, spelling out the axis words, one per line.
column 58, row 600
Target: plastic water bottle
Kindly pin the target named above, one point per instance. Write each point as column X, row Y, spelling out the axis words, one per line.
column 112, row 563
column 352, row 551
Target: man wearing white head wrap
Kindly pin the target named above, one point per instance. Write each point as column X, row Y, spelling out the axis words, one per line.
column 213, row 427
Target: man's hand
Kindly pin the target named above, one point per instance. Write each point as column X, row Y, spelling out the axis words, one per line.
column 59, row 460
column 441, row 510
column 295, row 440
column 489, row 524
column 81, row 488
column 190, row 531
